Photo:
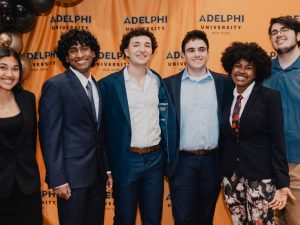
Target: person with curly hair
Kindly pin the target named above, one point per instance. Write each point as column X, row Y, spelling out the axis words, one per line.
column 139, row 126
column 253, row 161
column 284, row 34
column 70, row 113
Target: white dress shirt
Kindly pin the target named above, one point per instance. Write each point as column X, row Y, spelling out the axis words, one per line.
column 143, row 110
column 244, row 100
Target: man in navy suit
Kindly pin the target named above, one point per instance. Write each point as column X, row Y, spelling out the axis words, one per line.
column 198, row 95
column 70, row 115
column 139, row 132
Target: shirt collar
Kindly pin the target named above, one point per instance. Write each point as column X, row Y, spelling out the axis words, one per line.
column 149, row 73
column 83, row 80
column 246, row 93
column 294, row 65
column 186, row 75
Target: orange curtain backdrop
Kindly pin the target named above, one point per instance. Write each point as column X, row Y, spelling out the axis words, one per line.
column 223, row 21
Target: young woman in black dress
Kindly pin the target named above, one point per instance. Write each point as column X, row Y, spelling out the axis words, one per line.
column 20, row 198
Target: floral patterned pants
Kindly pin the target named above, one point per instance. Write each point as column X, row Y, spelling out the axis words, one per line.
column 248, row 200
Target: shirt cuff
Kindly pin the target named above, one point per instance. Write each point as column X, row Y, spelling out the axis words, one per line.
column 63, row 185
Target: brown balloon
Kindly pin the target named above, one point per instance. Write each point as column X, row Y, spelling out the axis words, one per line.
column 26, row 67
column 17, row 42
column 5, row 39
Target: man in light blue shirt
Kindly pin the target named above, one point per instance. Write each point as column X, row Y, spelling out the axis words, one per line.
column 198, row 95
column 284, row 33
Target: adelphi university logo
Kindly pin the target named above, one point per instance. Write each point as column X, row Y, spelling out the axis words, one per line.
column 221, row 23
column 152, row 23
column 111, row 61
column 48, row 197
column 68, row 22
column 174, row 59
column 41, row 61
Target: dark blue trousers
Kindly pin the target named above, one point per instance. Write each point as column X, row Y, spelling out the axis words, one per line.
column 143, row 187
column 194, row 188
column 84, row 207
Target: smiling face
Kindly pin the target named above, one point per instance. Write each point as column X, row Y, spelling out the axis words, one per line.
column 242, row 74
column 284, row 40
column 196, row 55
column 80, row 58
column 9, row 73
column 139, row 50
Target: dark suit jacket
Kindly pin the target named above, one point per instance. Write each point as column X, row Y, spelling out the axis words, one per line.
column 18, row 163
column 69, row 134
column 223, row 90
column 117, row 127
column 260, row 145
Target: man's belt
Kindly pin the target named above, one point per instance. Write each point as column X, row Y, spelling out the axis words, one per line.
column 201, row 151
column 144, row 150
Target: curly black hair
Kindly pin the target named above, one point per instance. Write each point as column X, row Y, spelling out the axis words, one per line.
column 73, row 37
column 288, row 21
column 135, row 33
column 192, row 35
column 251, row 52
column 5, row 52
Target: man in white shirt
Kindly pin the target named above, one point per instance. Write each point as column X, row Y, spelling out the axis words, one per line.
column 139, row 132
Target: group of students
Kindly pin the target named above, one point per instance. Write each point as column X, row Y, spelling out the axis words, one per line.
column 126, row 132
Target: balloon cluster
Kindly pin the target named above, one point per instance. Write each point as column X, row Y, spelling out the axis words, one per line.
column 17, row 17
column 20, row 15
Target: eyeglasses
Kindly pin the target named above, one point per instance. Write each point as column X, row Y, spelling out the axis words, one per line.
column 282, row 31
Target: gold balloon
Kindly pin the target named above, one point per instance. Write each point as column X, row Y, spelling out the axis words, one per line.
column 17, row 42
column 26, row 67
column 5, row 39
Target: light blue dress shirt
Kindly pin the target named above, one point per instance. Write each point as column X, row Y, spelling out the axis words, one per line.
column 199, row 125
column 287, row 82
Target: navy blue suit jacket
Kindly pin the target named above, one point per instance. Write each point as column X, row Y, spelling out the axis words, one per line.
column 117, row 128
column 260, row 144
column 69, row 134
column 224, row 90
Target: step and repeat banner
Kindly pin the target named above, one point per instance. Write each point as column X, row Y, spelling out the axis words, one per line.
column 223, row 21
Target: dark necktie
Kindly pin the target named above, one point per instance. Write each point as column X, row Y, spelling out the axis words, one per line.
column 236, row 115
column 91, row 98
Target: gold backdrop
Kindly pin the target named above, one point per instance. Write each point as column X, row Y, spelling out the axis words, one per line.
column 169, row 20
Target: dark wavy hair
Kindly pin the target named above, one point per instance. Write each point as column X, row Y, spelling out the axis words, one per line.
column 287, row 21
column 192, row 35
column 251, row 52
column 6, row 52
column 135, row 33
column 73, row 37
